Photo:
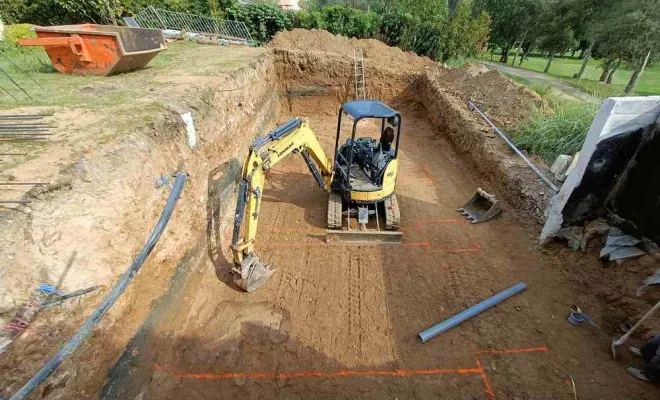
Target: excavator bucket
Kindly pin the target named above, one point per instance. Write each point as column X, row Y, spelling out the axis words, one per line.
column 252, row 274
column 481, row 207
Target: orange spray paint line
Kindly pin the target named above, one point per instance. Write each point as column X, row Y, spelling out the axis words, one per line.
column 484, row 377
column 316, row 374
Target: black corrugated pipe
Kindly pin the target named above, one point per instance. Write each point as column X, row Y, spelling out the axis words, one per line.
column 83, row 333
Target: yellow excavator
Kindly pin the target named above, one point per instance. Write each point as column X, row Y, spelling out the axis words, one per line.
column 360, row 180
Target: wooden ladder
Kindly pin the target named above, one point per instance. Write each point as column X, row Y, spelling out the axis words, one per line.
column 360, row 87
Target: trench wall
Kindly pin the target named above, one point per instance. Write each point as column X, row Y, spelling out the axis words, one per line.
column 86, row 228
column 498, row 168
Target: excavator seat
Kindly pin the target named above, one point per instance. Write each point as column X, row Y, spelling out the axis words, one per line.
column 369, row 164
column 360, row 181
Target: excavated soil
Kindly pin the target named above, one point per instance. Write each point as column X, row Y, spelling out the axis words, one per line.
column 333, row 321
column 325, row 42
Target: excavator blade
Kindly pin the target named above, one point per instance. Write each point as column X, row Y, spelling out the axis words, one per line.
column 252, row 273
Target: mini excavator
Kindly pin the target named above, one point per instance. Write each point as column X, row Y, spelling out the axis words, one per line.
column 360, row 182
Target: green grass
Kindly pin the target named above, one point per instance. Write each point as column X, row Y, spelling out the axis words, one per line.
column 559, row 127
column 565, row 68
column 543, row 90
column 93, row 92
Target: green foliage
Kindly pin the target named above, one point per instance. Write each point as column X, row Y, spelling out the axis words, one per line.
column 466, row 35
column 559, row 129
column 308, row 20
column 60, row 12
column 10, row 11
column 13, row 33
column 262, row 19
column 349, row 22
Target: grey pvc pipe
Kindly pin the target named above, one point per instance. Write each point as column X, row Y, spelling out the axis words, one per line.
column 451, row 322
column 514, row 148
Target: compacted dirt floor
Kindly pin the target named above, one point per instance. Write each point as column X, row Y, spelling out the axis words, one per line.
column 341, row 321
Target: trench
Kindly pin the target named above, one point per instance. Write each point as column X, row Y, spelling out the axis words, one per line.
column 335, row 321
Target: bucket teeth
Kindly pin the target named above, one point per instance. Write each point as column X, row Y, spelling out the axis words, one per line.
column 252, row 273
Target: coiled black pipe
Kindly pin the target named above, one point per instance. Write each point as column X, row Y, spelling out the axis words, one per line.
column 83, row 333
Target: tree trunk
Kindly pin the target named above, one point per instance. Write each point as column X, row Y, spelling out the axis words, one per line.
column 522, row 41
column 638, row 72
column 587, row 56
column 547, row 66
column 505, row 54
column 611, row 74
column 606, row 71
column 524, row 56
column 573, row 53
column 515, row 56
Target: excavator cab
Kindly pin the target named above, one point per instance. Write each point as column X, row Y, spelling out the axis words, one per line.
column 362, row 207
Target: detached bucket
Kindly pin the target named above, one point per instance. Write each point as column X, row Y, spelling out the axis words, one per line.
column 481, row 207
column 97, row 49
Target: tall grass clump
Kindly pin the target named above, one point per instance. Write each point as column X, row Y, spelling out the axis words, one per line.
column 557, row 129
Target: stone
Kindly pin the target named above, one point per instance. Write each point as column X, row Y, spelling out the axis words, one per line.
column 560, row 166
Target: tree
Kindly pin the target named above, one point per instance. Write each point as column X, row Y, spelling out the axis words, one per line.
column 511, row 21
column 557, row 34
column 630, row 35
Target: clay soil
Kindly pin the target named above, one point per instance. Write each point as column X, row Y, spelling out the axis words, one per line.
column 339, row 321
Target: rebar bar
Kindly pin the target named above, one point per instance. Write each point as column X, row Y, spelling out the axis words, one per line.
column 24, row 116
column 24, row 134
column 32, row 125
column 15, row 83
column 23, row 183
column 21, row 70
column 25, row 130
column 15, row 201
column 13, row 154
column 7, row 92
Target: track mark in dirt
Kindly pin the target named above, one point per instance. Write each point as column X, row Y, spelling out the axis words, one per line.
column 355, row 299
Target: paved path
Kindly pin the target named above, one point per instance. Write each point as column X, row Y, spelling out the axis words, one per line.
column 538, row 77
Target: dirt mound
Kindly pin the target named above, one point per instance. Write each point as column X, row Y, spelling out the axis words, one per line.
column 506, row 101
column 324, row 41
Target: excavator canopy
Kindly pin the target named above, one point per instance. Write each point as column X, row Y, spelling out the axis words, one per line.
column 368, row 109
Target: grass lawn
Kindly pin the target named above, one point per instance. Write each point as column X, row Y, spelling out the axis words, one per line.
column 565, row 68
column 92, row 92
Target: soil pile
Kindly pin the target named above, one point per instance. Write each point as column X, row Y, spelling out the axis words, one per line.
column 506, row 101
column 324, row 41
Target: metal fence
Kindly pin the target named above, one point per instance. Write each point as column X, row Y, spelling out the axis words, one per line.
column 156, row 18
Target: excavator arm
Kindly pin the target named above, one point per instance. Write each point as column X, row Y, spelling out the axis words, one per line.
column 294, row 136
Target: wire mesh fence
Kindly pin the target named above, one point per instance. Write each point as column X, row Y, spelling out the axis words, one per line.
column 156, row 18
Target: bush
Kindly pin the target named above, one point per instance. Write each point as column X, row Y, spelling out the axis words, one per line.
column 13, row 33
column 308, row 20
column 350, row 22
column 263, row 20
column 61, row 12
column 560, row 129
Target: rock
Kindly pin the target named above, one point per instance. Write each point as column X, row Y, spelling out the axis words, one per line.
column 560, row 166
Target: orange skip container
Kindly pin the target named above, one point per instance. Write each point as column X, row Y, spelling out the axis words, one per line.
column 91, row 49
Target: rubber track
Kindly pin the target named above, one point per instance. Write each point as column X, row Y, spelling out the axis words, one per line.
column 392, row 213
column 334, row 211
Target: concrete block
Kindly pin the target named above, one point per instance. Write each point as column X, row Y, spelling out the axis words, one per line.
column 560, row 166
